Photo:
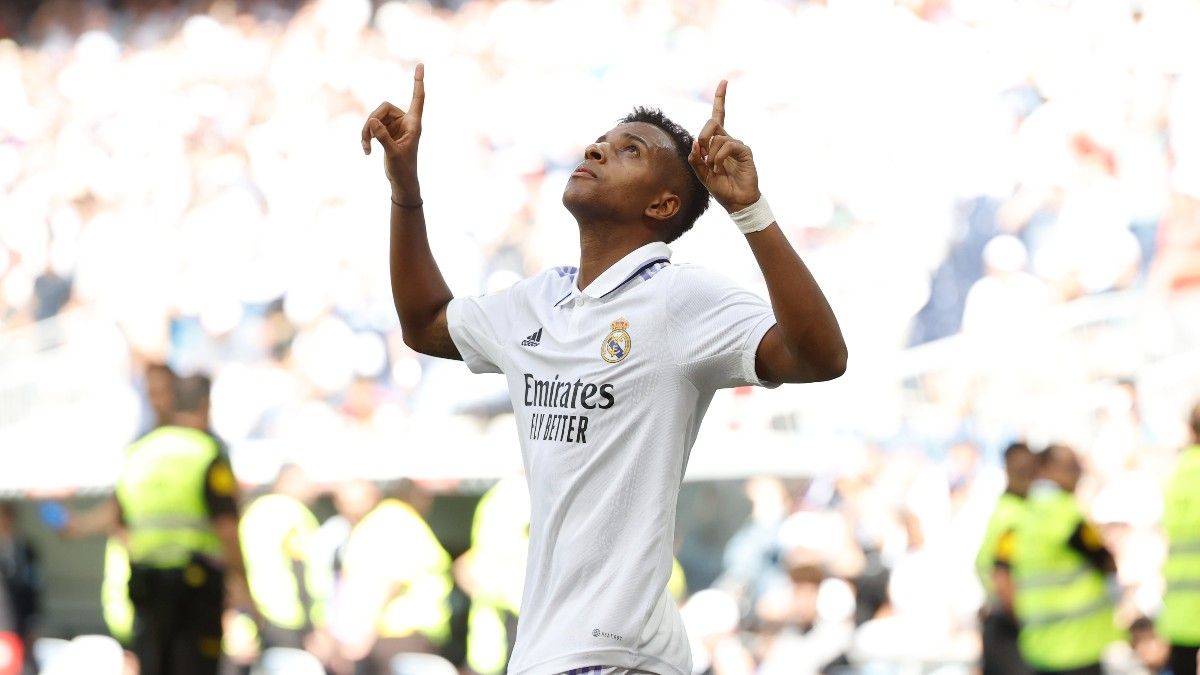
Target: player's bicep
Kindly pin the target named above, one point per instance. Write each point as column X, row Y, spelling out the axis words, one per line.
column 437, row 341
column 776, row 362
column 772, row 360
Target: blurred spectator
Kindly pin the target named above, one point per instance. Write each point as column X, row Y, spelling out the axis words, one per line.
column 275, row 529
column 52, row 293
column 806, row 625
column 752, row 556
column 1060, row 568
column 12, row 647
column 492, row 573
column 114, row 590
column 1146, row 653
column 1180, row 620
column 392, row 586
column 1000, row 653
column 711, row 617
column 178, row 501
column 21, row 577
column 1007, row 300
column 159, row 393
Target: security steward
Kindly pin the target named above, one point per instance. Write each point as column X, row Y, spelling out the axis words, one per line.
column 275, row 530
column 492, row 572
column 1060, row 569
column 1180, row 618
column 178, row 503
column 105, row 517
column 114, row 591
column 1001, row 656
column 394, row 580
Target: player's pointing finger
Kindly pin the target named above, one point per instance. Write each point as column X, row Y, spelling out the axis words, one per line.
column 418, row 97
column 718, row 112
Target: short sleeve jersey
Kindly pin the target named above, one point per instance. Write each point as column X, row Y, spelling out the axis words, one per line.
column 609, row 386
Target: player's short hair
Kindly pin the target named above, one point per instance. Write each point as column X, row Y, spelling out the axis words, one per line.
column 694, row 201
column 191, row 392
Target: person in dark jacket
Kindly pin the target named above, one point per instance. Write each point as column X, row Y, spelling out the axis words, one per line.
column 20, row 576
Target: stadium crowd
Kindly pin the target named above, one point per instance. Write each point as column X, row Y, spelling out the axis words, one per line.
column 969, row 168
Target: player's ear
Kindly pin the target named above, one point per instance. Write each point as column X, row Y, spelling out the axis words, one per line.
column 664, row 207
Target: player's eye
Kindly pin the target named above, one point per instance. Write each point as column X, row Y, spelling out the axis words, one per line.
column 631, row 148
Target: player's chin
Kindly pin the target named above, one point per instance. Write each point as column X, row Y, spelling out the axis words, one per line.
column 577, row 194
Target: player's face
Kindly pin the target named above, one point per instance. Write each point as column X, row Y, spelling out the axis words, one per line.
column 622, row 173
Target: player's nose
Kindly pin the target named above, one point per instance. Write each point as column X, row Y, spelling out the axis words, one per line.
column 597, row 152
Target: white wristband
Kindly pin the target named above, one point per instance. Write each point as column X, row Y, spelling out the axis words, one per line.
column 755, row 217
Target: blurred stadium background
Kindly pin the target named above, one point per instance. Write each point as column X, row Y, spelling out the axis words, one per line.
column 1000, row 197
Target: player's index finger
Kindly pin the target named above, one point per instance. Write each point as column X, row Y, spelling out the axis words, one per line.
column 718, row 112
column 418, row 96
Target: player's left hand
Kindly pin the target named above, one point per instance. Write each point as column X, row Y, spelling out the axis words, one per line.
column 724, row 164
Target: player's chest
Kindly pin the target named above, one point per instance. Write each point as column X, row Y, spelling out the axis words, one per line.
column 577, row 375
column 615, row 341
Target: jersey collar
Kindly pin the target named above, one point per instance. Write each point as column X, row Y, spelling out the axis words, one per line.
column 621, row 272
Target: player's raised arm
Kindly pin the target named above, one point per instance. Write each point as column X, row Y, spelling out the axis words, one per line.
column 807, row 344
column 418, row 289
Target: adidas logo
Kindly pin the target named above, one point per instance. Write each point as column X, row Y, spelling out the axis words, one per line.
column 533, row 340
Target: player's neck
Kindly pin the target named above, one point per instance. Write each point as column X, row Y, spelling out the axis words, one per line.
column 600, row 247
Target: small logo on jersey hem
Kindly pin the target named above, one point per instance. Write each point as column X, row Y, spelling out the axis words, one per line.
column 596, row 632
column 533, row 340
column 616, row 344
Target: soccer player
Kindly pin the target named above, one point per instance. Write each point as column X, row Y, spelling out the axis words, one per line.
column 611, row 366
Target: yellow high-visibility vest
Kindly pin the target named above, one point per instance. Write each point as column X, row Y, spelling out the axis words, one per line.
column 274, row 532
column 423, row 571
column 1180, row 618
column 161, row 493
column 1005, row 517
column 114, row 592
column 1062, row 600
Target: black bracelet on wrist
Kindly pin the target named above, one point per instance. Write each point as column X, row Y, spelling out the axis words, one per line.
column 408, row 206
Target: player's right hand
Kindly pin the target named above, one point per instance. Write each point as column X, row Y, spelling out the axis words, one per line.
column 399, row 132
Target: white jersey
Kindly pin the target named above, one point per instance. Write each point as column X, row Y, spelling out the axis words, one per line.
column 608, row 385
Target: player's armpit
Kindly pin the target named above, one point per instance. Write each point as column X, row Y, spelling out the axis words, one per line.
column 776, row 362
column 434, row 339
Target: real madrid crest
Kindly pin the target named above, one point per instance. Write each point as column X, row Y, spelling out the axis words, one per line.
column 616, row 344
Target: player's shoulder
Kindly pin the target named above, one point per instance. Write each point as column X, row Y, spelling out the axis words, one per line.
column 552, row 281
column 544, row 283
column 559, row 275
column 689, row 278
